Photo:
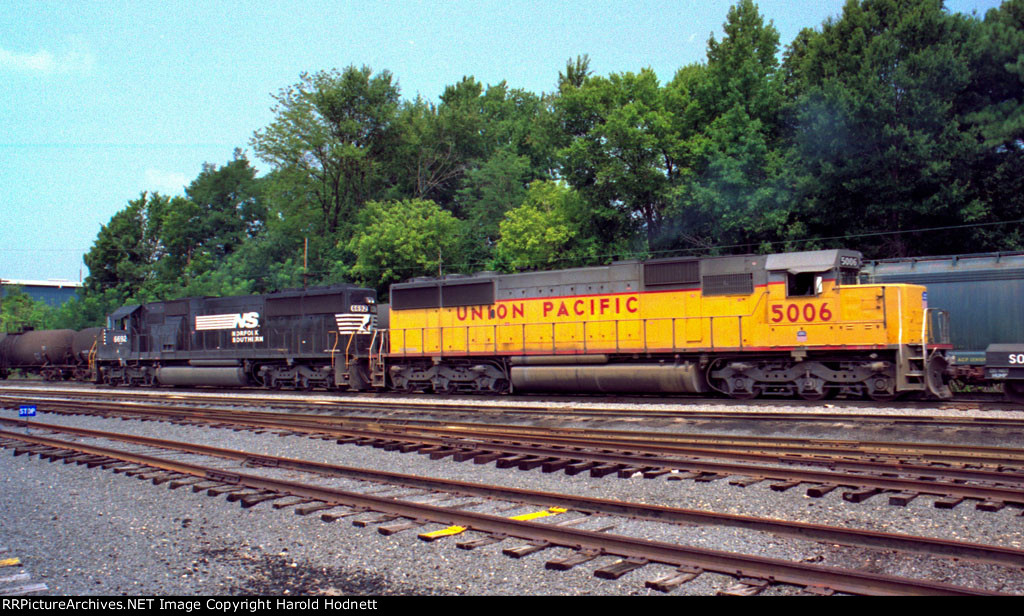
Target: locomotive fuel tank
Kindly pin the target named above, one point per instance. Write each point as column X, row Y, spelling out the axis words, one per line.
column 684, row 377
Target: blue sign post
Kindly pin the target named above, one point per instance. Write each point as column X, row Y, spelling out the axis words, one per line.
column 26, row 411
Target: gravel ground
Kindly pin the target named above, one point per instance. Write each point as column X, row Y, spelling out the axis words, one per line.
column 87, row 531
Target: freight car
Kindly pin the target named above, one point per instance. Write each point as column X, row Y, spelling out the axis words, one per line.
column 57, row 354
column 984, row 294
column 297, row 339
column 796, row 324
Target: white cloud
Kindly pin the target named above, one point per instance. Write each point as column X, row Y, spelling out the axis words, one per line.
column 165, row 182
column 44, row 61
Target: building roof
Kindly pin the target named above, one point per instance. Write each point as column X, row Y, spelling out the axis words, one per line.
column 53, row 282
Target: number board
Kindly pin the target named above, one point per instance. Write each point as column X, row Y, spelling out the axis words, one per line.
column 800, row 313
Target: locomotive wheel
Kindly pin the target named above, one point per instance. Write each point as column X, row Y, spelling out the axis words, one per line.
column 811, row 388
column 882, row 396
column 881, row 388
column 813, row 396
column 754, row 392
column 1014, row 391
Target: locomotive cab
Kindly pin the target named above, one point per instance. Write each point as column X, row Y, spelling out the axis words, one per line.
column 119, row 339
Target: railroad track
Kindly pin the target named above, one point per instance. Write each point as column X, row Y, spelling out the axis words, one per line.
column 377, row 405
column 992, row 477
column 398, row 514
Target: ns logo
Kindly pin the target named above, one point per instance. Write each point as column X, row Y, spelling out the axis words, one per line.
column 248, row 320
column 245, row 320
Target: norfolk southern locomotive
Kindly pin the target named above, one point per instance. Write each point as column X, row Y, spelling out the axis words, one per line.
column 302, row 339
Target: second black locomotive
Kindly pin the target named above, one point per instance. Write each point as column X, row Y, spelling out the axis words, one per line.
column 298, row 339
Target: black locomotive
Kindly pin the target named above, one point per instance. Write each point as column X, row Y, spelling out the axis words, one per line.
column 299, row 339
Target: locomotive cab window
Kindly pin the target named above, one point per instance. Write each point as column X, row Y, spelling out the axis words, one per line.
column 804, row 284
column 848, row 276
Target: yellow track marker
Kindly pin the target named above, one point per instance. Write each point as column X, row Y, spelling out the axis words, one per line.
column 455, row 530
column 9, row 562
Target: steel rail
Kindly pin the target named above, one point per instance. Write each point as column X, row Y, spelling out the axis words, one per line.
column 774, row 570
column 818, row 448
column 863, row 538
column 383, row 404
column 843, row 472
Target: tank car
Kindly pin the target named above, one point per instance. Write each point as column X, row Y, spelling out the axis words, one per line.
column 983, row 294
column 44, row 352
column 796, row 324
column 298, row 339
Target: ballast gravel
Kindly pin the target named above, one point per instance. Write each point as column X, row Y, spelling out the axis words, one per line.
column 88, row 531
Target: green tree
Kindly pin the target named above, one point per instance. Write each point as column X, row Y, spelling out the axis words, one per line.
column 20, row 312
column 878, row 139
column 333, row 128
column 551, row 228
column 490, row 190
column 230, row 205
column 398, row 240
column 993, row 109
column 620, row 156
column 729, row 192
column 126, row 248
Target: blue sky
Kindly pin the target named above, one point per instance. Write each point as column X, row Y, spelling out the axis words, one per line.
column 102, row 100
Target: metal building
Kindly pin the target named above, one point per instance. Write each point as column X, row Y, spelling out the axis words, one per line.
column 53, row 292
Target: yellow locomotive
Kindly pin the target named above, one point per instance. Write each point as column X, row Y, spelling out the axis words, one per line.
column 793, row 324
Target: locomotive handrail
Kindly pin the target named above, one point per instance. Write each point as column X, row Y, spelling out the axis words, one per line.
column 334, row 348
column 579, row 337
column 410, row 335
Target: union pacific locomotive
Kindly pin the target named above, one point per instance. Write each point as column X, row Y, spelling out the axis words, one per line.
column 795, row 324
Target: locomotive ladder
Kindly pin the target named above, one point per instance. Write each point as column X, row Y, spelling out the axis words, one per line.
column 910, row 375
column 378, row 376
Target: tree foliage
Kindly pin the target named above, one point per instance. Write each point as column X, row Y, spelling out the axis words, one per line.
column 398, row 240
column 551, row 228
column 895, row 128
column 333, row 128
